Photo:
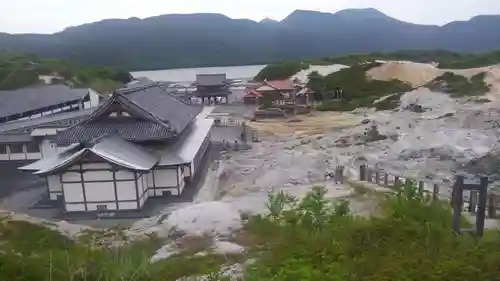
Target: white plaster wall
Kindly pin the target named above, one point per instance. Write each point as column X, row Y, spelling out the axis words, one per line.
column 127, row 205
column 66, row 108
column 126, row 190
column 34, row 156
column 100, row 191
column 94, row 98
column 98, row 176
column 173, row 190
column 54, row 185
column 96, row 166
column 17, row 156
column 73, row 192
column 149, row 177
column 4, row 157
column 75, row 207
column 124, row 175
column 93, row 206
column 166, row 178
column 71, row 176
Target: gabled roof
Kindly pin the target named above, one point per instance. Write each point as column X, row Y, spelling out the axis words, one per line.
column 162, row 116
column 33, row 98
column 111, row 149
column 281, row 85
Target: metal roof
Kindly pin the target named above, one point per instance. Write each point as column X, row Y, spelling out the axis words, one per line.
column 112, row 149
column 33, row 98
column 186, row 147
column 47, row 119
column 15, row 138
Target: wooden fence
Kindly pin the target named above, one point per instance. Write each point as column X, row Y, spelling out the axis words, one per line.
column 386, row 179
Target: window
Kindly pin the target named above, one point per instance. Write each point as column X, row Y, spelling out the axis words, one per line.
column 3, row 149
column 32, row 147
column 16, row 148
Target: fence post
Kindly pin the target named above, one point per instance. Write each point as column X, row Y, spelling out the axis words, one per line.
column 435, row 192
column 473, row 197
column 362, row 172
column 481, row 208
column 491, row 206
column 456, row 203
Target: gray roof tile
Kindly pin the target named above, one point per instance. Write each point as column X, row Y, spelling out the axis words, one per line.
column 33, row 98
column 132, row 131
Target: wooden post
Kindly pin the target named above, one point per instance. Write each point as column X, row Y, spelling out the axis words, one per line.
column 456, row 203
column 386, row 179
column 481, row 209
column 369, row 174
column 362, row 172
column 435, row 192
column 491, row 206
column 473, row 197
column 377, row 177
column 396, row 181
column 421, row 187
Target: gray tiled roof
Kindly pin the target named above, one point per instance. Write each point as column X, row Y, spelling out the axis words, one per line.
column 162, row 115
column 211, row 79
column 32, row 98
column 165, row 106
column 132, row 131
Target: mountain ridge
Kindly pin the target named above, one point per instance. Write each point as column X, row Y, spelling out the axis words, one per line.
column 211, row 39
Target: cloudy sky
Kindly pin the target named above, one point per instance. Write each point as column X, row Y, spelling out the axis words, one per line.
column 48, row 16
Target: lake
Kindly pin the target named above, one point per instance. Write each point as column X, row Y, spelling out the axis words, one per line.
column 189, row 74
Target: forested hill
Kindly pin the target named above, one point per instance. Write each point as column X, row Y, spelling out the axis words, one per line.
column 21, row 70
column 172, row 41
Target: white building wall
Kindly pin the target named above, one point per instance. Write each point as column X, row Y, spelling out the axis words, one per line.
column 55, row 186
column 126, row 190
column 165, row 178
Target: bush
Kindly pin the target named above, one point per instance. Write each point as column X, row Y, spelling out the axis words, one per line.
column 313, row 240
column 458, row 85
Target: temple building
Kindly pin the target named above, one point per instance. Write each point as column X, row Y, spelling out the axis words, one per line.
column 140, row 143
column 212, row 88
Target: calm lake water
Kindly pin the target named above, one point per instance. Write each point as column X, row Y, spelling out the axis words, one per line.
column 189, row 74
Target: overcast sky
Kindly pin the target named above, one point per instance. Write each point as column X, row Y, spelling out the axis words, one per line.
column 48, row 16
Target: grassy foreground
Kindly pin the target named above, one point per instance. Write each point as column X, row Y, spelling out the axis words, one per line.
column 311, row 239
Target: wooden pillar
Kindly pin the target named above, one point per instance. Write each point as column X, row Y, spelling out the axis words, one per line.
column 473, row 197
column 377, row 177
column 421, row 187
column 481, row 208
column 435, row 192
column 362, row 172
column 457, row 203
column 491, row 206
column 369, row 174
column 396, row 181
column 386, row 179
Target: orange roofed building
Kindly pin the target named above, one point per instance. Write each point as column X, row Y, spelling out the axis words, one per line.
column 279, row 92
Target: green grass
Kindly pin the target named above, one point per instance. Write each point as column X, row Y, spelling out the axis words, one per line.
column 309, row 239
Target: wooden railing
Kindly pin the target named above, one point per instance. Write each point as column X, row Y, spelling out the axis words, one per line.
column 385, row 179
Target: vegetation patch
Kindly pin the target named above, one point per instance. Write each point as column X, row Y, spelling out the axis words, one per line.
column 458, row 85
column 21, row 70
column 357, row 89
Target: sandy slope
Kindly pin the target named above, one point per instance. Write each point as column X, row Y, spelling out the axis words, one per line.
column 418, row 74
